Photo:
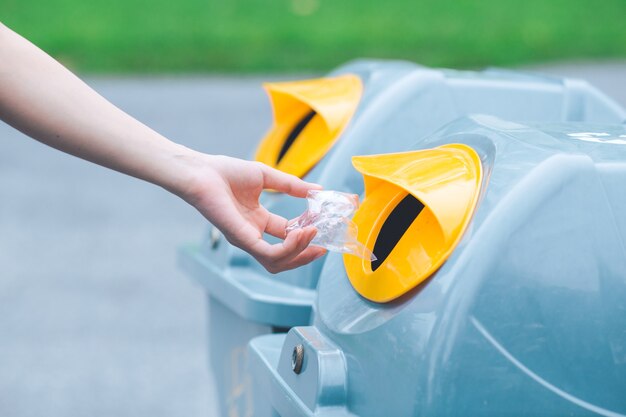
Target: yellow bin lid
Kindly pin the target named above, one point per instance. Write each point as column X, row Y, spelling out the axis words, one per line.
column 309, row 116
column 417, row 206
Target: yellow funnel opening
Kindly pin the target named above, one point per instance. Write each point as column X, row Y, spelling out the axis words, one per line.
column 309, row 116
column 417, row 206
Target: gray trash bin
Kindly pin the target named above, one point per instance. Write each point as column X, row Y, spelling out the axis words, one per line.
column 401, row 102
column 524, row 315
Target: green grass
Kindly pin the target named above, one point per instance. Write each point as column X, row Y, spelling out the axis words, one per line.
column 292, row 35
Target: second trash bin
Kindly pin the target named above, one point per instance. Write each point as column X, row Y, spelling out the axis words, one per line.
column 503, row 294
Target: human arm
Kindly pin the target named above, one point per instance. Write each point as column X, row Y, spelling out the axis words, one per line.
column 47, row 102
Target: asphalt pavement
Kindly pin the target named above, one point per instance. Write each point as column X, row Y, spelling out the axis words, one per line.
column 95, row 317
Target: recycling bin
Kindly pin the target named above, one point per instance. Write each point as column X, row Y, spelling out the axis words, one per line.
column 499, row 288
column 396, row 103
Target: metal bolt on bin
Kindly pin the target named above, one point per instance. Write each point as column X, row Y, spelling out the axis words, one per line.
column 504, row 293
column 363, row 108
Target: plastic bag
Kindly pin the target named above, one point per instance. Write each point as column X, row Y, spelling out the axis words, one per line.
column 330, row 212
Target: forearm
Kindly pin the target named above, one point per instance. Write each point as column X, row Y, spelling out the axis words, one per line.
column 47, row 102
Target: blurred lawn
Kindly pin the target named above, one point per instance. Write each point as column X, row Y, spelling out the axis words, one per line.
column 287, row 35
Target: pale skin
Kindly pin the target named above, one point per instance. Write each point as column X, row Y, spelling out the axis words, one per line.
column 46, row 101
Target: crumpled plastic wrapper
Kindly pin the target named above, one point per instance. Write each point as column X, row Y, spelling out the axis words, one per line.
column 330, row 212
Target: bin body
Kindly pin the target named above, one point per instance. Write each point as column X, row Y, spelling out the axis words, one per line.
column 401, row 102
column 526, row 316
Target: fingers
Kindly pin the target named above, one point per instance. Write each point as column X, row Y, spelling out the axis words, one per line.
column 295, row 242
column 306, row 256
column 289, row 254
column 286, row 183
column 276, row 225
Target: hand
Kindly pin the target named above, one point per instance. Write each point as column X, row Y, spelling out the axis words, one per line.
column 226, row 191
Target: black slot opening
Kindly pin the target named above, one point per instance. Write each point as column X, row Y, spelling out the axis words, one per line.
column 297, row 129
column 394, row 227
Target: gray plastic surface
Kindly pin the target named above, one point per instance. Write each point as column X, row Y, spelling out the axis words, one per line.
column 526, row 317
